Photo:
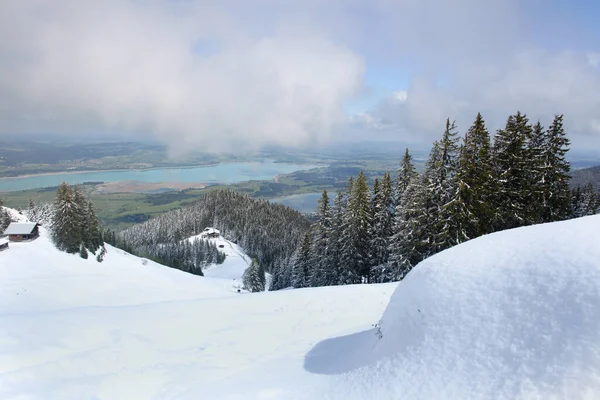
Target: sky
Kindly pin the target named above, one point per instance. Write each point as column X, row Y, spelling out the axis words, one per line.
column 236, row 75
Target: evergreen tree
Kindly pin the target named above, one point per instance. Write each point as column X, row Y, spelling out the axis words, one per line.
column 537, row 200
column 338, row 213
column 92, row 233
column 406, row 173
column 447, row 206
column 301, row 270
column 323, row 273
column 381, row 227
column 556, row 176
column 32, row 211
column 254, row 277
column 587, row 203
column 474, row 183
column 408, row 244
column 347, row 251
column 511, row 175
column 66, row 227
column 359, row 218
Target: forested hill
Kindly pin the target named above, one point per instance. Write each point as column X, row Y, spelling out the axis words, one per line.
column 585, row 176
column 266, row 231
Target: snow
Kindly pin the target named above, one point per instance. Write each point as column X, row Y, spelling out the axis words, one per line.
column 128, row 328
column 15, row 215
column 20, row 228
column 511, row 315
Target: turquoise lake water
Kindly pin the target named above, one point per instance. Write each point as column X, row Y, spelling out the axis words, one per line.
column 305, row 203
column 222, row 173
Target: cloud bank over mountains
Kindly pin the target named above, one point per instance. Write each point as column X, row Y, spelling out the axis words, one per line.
column 234, row 76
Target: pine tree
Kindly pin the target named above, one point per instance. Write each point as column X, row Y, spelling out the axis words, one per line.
column 381, row 227
column 323, row 273
column 338, row 213
column 447, row 206
column 537, row 200
column 474, row 183
column 254, row 277
column 557, row 174
column 359, row 211
column 301, row 270
column 408, row 245
column 32, row 211
column 346, row 245
column 66, row 227
column 511, row 175
column 92, row 232
column 406, row 173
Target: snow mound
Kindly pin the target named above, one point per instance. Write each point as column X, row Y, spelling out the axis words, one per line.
column 511, row 315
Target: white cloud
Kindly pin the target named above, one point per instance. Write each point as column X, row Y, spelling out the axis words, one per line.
column 280, row 71
column 131, row 66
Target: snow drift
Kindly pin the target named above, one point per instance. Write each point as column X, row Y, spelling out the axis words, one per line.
column 514, row 314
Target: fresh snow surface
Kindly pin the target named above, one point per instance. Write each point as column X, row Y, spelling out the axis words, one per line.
column 235, row 263
column 511, row 315
column 128, row 328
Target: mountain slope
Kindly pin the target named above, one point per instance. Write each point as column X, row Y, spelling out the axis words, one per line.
column 511, row 315
column 133, row 329
column 584, row 176
column 235, row 263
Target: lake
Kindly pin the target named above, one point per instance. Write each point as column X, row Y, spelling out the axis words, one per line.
column 304, row 203
column 221, row 173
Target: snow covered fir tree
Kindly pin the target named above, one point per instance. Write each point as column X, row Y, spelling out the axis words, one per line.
column 75, row 226
column 470, row 187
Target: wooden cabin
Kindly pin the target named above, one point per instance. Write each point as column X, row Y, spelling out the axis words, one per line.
column 22, row 231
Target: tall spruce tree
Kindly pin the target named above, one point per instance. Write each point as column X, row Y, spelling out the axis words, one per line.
column 359, row 210
column 557, row 173
column 66, row 227
column 301, row 270
column 381, row 227
column 338, row 219
column 511, row 173
column 347, row 270
column 536, row 200
column 474, row 183
column 408, row 245
column 254, row 277
column 323, row 273
column 443, row 186
column 406, row 173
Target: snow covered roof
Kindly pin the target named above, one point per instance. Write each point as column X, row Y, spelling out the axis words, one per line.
column 211, row 231
column 20, row 228
column 3, row 241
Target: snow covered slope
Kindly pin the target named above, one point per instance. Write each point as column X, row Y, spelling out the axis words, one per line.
column 235, row 263
column 132, row 329
column 512, row 315
column 15, row 216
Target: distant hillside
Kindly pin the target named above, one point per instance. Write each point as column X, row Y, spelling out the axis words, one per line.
column 266, row 231
column 581, row 177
